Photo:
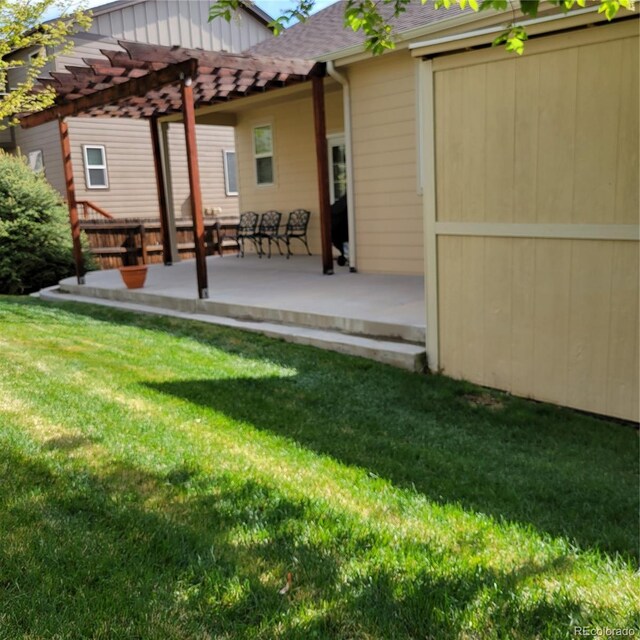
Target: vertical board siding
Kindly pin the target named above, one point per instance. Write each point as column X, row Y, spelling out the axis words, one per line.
column 555, row 320
column 384, row 133
column 551, row 138
column 295, row 184
column 181, row 22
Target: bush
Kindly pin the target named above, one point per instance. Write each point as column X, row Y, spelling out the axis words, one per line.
column 35, row 242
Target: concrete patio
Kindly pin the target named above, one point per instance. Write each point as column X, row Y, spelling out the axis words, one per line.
column 376, row 316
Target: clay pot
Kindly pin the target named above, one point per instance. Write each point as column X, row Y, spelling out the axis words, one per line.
column 135, row 276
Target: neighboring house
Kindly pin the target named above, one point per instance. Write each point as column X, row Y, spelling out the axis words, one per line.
column 112, row 158
column 499, row 177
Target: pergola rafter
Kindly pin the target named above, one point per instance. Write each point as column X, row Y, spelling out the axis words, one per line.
column 146, row 81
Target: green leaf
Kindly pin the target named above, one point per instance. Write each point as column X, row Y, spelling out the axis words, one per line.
column 530, row 7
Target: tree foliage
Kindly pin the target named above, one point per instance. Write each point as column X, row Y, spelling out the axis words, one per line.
column 23, row 26
column 373, row 17
column 35, row 244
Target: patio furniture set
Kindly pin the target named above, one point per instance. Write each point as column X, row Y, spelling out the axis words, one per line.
column 258, row 229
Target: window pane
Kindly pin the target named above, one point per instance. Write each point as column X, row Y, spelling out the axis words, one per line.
column 97, row 178
column 94, row 157
column 36, row 161
column 264, row 169
column 262, row 139
column 230, row 166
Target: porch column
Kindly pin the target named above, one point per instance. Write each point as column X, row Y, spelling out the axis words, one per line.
column 194, row 186
column 322, row 162
column 65, row 146
column 167, row 256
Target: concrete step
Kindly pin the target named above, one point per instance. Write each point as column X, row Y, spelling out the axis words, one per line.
column 356, row 326
column 399, row 354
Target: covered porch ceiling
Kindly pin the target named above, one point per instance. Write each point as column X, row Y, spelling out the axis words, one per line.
column 154, row 82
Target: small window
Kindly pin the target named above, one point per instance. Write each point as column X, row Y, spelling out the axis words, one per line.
column 36, row 161
column 95, row 167
column 263, row 153
column 230, row 173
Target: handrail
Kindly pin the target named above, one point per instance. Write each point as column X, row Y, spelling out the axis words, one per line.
column 88, row 205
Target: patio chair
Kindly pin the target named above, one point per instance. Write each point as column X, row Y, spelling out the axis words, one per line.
column 268, row 230
column 245, row 230
column 296, row 228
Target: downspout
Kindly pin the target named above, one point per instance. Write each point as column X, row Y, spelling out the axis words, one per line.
column 351, row 212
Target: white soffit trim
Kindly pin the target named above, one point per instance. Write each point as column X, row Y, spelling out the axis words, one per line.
column 489, row 31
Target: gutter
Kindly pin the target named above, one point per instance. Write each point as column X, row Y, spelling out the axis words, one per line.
column 346, row 107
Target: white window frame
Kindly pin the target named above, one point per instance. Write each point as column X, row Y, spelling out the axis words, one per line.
column 87, row 176
column 227, row 189
column 257, row 156
column 31, row 156
column 334, row 139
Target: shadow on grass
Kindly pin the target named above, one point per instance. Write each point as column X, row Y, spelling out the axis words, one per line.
column 87, row 556
column 560, row 472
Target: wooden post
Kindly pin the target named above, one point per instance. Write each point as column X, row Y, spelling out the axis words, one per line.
column 167, row 256
column 194, row 186
column 65, row 146
column 322, row 162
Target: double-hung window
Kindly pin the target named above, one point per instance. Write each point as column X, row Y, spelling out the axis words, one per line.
column 230, row 173
column 95, row 166
column 263, row 154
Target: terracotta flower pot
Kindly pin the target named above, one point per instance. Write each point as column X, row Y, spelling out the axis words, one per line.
column 135, row 276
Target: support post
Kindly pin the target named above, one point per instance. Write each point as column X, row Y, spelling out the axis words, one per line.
column 167, row 256
column 65, row 146
column 322, row 162
column 194, row 186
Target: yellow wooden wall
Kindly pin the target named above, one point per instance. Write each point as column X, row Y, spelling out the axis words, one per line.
column 385, row 149
column 545, row 140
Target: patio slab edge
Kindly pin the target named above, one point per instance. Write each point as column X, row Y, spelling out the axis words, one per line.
column 354, row 326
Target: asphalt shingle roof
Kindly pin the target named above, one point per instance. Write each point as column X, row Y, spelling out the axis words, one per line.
column 324, row 32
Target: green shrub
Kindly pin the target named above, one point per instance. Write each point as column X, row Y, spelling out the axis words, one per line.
column 35, row 242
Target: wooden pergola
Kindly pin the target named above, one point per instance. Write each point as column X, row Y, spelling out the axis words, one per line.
column 152, row 81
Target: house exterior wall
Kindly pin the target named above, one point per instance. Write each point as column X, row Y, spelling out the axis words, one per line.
column 388, row 206
column 296, row 185
column 132, row 189
column 180, row 22
column 537, row 213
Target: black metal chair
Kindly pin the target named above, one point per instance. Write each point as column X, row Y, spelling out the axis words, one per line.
column 245, row 230
column 296, row 228
column 268, row 230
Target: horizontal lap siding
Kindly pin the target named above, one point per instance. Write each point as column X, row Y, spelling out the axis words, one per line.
column 211, row 141
column 388, row 207
column 296, row 181
column 552, row 138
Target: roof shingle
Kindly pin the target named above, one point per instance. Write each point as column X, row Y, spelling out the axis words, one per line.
column 324, row 32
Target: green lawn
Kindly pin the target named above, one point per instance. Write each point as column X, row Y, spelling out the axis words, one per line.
column 159, row 479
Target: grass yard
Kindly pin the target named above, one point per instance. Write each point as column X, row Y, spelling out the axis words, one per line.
column 160, row 479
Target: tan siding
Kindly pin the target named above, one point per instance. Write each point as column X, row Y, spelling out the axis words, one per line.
column 294, row 158
column 132, row 186
column 553, row 139
column 547, row 138
column 556, row 320
column 211, row 143
column 383, row 94
column 180, row 22
column 47, row 138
